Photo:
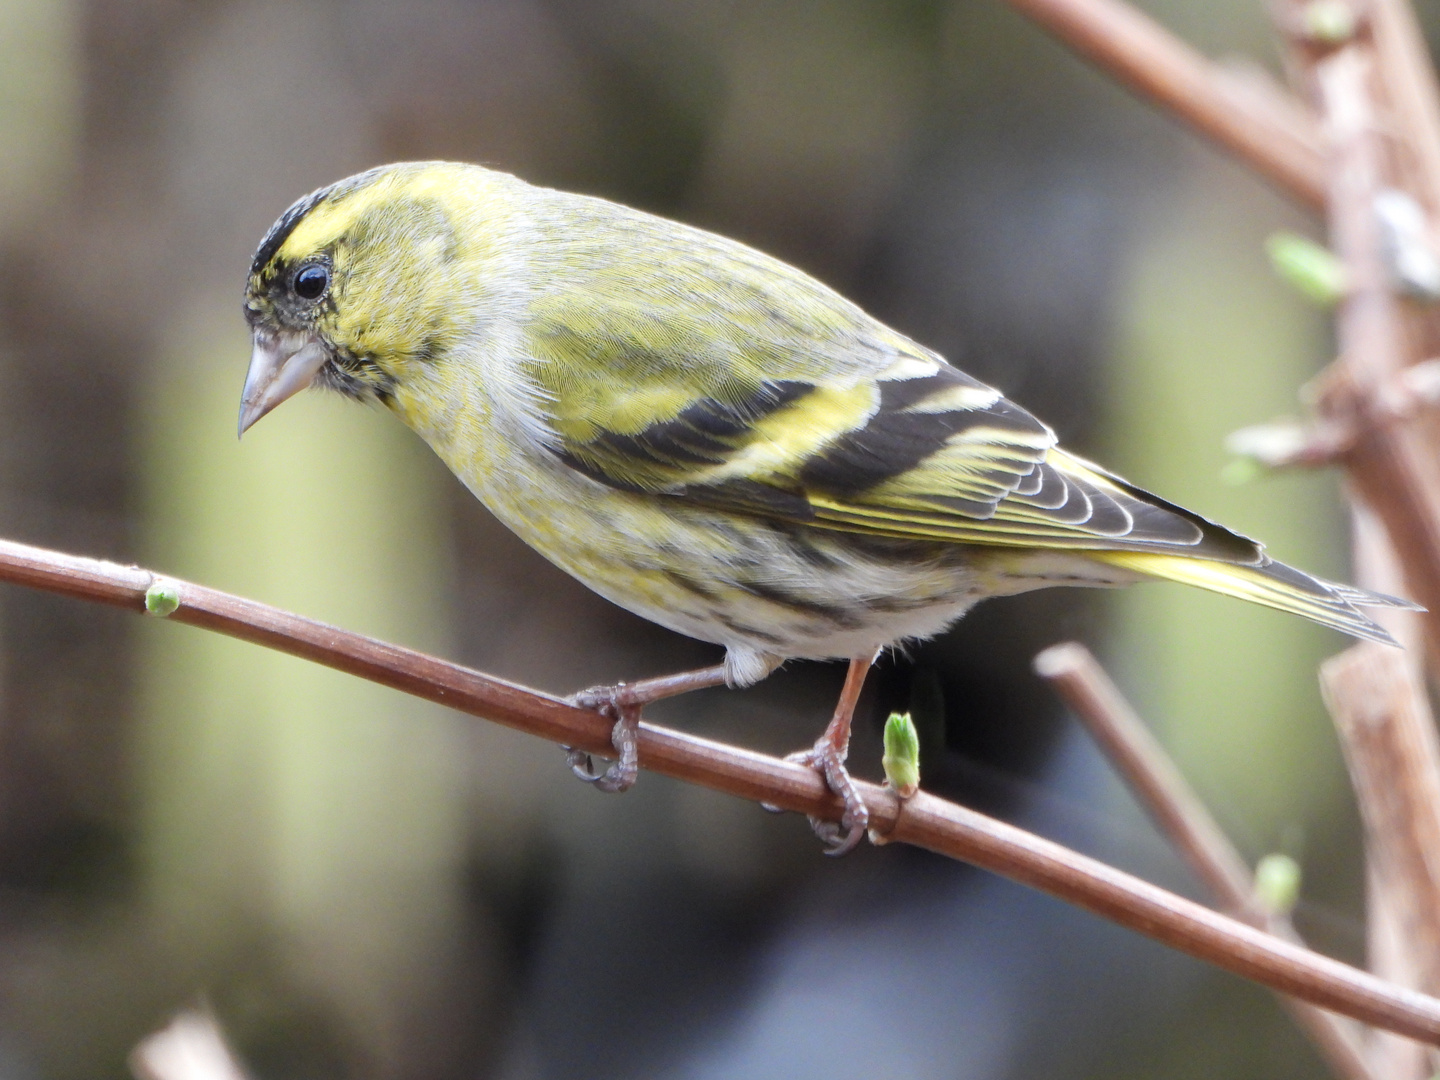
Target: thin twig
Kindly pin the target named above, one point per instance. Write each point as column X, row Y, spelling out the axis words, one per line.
column 923, row 820
column 1143, row 55
column 1083, row 684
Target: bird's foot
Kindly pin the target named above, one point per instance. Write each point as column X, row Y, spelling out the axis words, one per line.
column 829, row 762
column 622, row 703
column 827, row 757
column 611, row 701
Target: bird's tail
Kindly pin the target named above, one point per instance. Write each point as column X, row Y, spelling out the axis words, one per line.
column 1270, row 583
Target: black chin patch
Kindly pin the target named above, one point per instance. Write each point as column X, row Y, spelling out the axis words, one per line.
column 358, row 378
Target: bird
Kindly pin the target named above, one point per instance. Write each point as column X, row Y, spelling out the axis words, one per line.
column 708, row 436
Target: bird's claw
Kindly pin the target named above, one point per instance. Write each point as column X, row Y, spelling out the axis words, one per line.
column 601, row 699
column 624, row 736
column 842, row 837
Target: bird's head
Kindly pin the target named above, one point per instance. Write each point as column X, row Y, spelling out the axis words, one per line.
column 355, row 286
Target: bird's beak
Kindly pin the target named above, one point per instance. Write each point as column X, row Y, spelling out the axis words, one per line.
column 280, row 367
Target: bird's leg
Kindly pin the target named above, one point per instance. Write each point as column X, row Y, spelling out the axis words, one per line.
column 828, row 756
column 623, row 702
column 648, row 691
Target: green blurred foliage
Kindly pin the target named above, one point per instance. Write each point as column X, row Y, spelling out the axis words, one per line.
column 1232, row 687
column 276, row 792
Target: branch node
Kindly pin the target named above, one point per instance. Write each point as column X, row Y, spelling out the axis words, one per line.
column 1287, row 444
column 1405, row 246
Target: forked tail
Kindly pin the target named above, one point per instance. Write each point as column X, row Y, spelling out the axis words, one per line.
column 1273, row 584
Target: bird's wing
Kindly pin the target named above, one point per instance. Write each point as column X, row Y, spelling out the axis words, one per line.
column 709, row 372
column 918, row 449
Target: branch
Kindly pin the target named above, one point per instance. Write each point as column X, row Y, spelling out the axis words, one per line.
column 1377, row 98
column 1083, row 684
column 1409, row 80
column 1377, row 699
column 1268, row 131
column 1391, row 466
column 1388, row 733
column 923, row 820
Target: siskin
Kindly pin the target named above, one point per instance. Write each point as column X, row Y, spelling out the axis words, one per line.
column 705, row 435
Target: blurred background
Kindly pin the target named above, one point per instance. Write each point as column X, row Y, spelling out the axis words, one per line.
column 360, row 885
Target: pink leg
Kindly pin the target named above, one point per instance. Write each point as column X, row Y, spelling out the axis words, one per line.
column 828, row 756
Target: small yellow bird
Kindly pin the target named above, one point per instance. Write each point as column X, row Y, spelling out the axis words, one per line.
column 707, row 436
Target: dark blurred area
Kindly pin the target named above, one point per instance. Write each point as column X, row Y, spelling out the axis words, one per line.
column 362, row 885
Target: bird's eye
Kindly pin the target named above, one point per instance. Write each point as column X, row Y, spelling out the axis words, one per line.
column 311, row 282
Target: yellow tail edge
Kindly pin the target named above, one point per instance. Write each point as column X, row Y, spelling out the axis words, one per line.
column 1273, row 585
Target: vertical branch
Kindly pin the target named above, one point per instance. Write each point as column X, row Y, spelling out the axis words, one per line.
column 1388, row 733
column 1381, row 118
column 1389, row 903
column 1408, row 79
column 1392, row 471
column 1390, row 1055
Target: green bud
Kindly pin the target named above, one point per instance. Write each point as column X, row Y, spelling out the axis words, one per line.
column 1313, row 270
column 1328, row 22
column 902, row 755
column 1277, row 883
column 162, row 598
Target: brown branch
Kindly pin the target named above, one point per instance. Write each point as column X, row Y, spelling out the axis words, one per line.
column 924, row 820
column 1389, row 952
column 1390, row 466
column 1409, row 81
column 1083, row 684
column 1146, row 57
column 1377, row 97
column 1379, row 705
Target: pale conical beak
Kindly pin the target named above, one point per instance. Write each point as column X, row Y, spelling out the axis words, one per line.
column 280, row 367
